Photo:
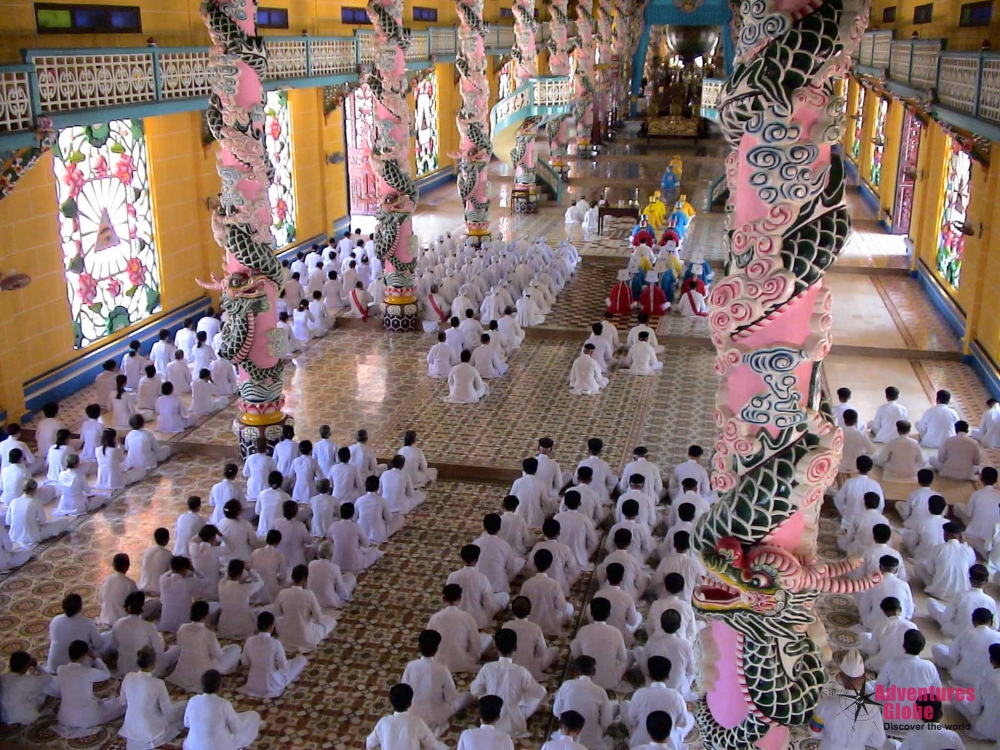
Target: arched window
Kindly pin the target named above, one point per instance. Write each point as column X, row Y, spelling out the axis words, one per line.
column 281, row 194
column 506, row 83
column 859, row 121
column 954, row 210
column 106, row 227
column 878, row 147
column 425, row 96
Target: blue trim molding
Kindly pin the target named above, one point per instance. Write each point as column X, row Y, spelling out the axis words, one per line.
column 80, row 372
column 436, row 179
column 940, row 298
column 987, row 368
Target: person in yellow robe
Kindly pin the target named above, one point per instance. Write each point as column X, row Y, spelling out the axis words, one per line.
column 655, row 211
column 677, row 165
column 686, row 207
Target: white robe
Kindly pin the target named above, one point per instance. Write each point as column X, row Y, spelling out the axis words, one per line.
column 352, row 551
column 514, row 684
column 440, row 359
column 549, row 608
column 213, row 725
column 465, row 385
column 605, row 644
column 586, row 378
column 967, row 657
column 331, row 587
column 693, row 304
column 642, row 359
column 656, row 697
column 936, row 425
column 461, row 643
column 236, row 619
column 435, row 698
column 270, row 670
column 948, row 565
column 151, row 718
column 591, row 701
column 79, row 709
column 883, row 426
column 200, row 651
column 301, row 623
column 989, row 428
column 487, row 362
column 528, row 314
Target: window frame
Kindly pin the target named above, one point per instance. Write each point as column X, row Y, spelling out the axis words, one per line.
column 424, row 14
column 75, row 28
column 964, row 24
column 917, row 20
column 349, row 12
column 889, row 14
column 269, row 24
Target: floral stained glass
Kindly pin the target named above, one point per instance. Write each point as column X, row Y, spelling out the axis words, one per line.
column 106, row 227
column 859, row 121
column 878, row 147
column 281, row 194
column 425, row 96
column 951, row 240
column 506, row 83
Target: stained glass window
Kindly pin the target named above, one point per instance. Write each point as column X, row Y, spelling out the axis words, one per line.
column 506, row 84
column 281, row 194
column 106, row 227
column 878, row 147
column 859, row 121
column 425, row 96
column 951, row 240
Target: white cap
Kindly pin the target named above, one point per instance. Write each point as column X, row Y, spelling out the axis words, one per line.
column 852, row 664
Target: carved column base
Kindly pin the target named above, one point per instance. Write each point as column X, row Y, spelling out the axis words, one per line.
column 400, row 314
column 477, row 235
column 259, row 433
column 585, row 149
column 525, row 200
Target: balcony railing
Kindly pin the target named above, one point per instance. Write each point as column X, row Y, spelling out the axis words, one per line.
column 711, row 90
column 964, row 82
column 64, row 82
column 542, row 96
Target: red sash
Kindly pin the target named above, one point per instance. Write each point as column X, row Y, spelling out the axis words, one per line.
column 430, row 298
column 694, row 307
column 359, row 306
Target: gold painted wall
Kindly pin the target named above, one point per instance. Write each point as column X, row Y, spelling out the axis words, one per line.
column 944, row 23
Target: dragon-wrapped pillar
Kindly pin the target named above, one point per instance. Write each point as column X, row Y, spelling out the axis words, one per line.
column 473, row 119
column 241, row 224
column 778, row 448
column 583, row 80
column 390, row 159
column 602, row 96
column 557, row 130
column 525, row 55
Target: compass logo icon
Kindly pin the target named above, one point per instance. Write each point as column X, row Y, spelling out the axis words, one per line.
column 859, row 703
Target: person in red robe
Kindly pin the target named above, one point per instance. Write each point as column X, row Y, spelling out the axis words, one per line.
column 620, row 301
column 643, row 237
column 669, row 234
column 653, row 301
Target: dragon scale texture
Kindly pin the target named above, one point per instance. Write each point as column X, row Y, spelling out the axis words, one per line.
column 778, row 449
column 475, row 147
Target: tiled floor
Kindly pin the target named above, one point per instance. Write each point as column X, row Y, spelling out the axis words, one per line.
column 361, row 377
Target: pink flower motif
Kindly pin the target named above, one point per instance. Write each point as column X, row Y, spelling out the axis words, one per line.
column 73, row 179
column 281, row 209
column 130, row 210
column 100, row 166
column 136, row 272
column 87, row 288
column 114, row 287
column 124, row 169
column 274, row 128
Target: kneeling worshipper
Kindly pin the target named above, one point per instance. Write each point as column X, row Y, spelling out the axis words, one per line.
column 642, row 234
column 359, row 302
column 151, row 718
column 653, row 300
column 441, row 358
column 621, row 301
column 576, row 213
column 843, row 730
column 591, row 221
column 698, row 266
column 528, row 312
column 486, row 360
column 80, row 712
column 434, row 310
column 679, row 220
column 655, row 211
column 212, row 723
column 694, row 302
column 585, row 377
column 270, row 669
column 641, row 358
column 465, row 384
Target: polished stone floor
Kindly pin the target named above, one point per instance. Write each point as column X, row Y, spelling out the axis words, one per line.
column 885, row 330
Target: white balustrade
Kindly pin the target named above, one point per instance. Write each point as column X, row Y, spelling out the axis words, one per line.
column 507, row 107
column 881, row 47
column 899, row 61
column 286, row 59
column 332, row 56
column 957, row 82
column 15, row 101
column 553, row 92
column 419, row 48
column 70, row 82
column 505, row 36
column 184, row 75
column 366, row 40
column 989, row 89
column 442, row 41
column 924, row 65
column 865, row 54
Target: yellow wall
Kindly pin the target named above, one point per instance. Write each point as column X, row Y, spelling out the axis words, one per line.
column 334, row 175
column 890, row 156
column 944, row 24
column 852, row 110
column 867, row 133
